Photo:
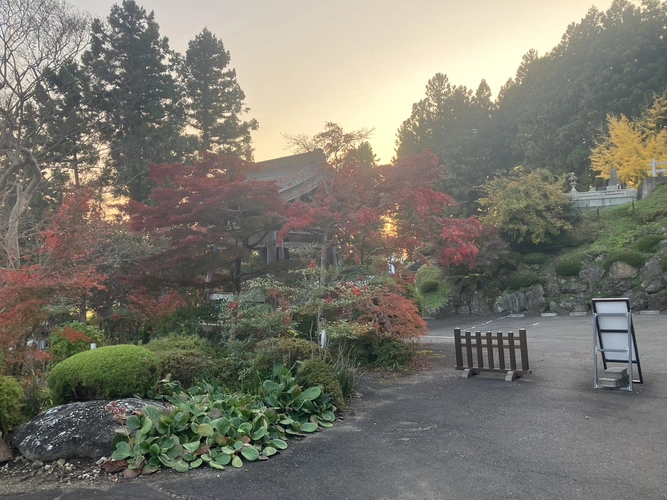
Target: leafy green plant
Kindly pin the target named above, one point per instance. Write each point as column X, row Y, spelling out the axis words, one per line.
column 73, row 338
column 106, row 373
column 11, row 398
column 210, row 427
column 569, row 266
column 629, row 256
column 649, row 243
column 522, row 279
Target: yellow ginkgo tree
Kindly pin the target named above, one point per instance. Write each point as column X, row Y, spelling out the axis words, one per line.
column 629, row 146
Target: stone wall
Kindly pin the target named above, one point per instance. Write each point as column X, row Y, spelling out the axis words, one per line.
column 646, row 287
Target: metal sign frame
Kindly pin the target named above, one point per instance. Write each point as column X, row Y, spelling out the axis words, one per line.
column 614, row 338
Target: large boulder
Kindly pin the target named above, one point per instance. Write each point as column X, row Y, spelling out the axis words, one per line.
column 622, row 271
column 84, row 430
column 569, row 304
column 511, row 302
column 535, row 297
column 479, row 304
column 592, row 275
column 651, row 275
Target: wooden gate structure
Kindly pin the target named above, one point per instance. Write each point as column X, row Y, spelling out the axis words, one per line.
column 494, row 348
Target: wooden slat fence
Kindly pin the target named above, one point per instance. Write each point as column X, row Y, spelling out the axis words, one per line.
column 491, row 352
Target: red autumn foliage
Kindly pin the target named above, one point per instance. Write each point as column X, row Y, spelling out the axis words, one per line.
column 387, row 312
column 150, row 309
column 214, row 215
column 388, row 210
column 65, row 272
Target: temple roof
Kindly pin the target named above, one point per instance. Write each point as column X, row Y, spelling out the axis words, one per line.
column 295, row 175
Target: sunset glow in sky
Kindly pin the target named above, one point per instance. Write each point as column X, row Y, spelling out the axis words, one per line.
column 359, row 63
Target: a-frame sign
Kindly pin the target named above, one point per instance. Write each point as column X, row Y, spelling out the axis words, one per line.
column 614, row 337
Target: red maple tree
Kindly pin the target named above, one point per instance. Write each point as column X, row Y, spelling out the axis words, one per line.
column 388, row 210
column 63, row 272
column 213, row 215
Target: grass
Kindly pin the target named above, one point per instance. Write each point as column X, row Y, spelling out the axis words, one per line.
column 620, row 227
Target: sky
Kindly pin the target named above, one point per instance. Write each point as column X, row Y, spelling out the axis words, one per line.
column 363, row 63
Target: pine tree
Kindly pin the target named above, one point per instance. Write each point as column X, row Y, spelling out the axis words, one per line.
column 136, row 96
column 215, row 98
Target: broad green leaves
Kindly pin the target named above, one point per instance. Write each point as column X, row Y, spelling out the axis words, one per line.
column 207, row 426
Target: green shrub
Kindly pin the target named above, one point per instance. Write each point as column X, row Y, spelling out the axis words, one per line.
column 535, row 258
column 11, row 398
column 73, row 338
column 317, row 372
column 630, row 257
column 391, row 353
column 106, row 373
column 284, row 351
column 428, row 286
column 664, row 265
column 255, row 322
column 569, row 266
column 188, row 358
column 522, row 279
column 649, row 243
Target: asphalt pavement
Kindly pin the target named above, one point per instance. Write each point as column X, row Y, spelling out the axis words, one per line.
column 434, row 435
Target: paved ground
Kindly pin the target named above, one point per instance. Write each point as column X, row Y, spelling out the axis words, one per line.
column 437, row 436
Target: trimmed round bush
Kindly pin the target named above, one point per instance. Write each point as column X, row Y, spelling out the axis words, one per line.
column 523, row 279
column 317, row 372
column 284, row 351
column 110, row 372
column 535, row 258
column 649, row 243
column 188, row 358
column 11, row 399
column 569, row 266
column 428, row 286
column 630, row 257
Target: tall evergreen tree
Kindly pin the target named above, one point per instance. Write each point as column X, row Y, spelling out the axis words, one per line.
column 215, row 99
column 448, row 121
column 136, row 96
column 68, row 144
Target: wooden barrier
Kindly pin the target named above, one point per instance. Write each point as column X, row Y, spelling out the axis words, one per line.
column 496, row 347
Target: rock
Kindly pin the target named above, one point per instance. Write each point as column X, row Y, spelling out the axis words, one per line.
column 638, row 299
column 37, row 464
column 511, row 302
column 478, row 304
column 592, row 276
column 5, row 452
column 622, row 271
column 573, row 286
column 83, row 430
column 657, row 301
column 651, row 275
column 569, row 304
column 535, row 299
